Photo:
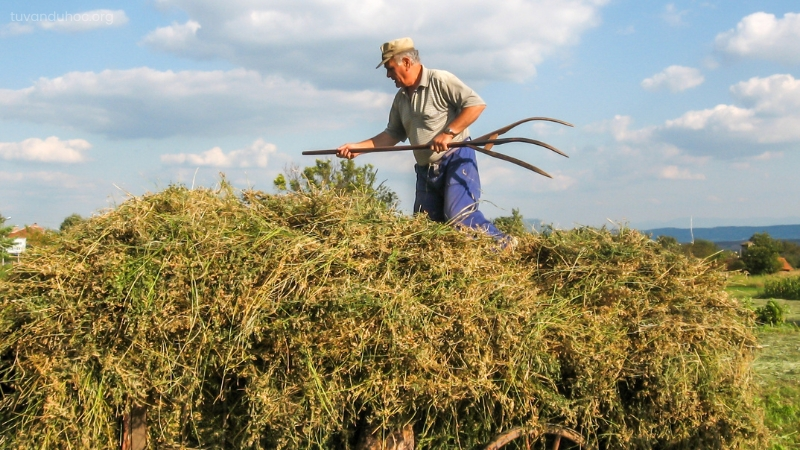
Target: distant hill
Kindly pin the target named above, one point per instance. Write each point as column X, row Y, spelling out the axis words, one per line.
column 728, row 234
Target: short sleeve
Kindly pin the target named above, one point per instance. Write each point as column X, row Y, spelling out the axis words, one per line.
column 457, row 93
column 395, row 127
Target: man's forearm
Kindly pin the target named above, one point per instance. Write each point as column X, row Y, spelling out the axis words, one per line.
column 382, row 139
column 467, row 117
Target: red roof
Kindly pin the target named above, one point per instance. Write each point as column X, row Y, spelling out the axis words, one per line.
column 24, row 232
column 785, row 266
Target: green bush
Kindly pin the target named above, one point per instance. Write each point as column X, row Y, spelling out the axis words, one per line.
column 785, row 288
column 513, row 224
column 702, row 249
column 762, row 256
column 734, row 263
column 70, row 221
column 5, row 241
column 773, row 313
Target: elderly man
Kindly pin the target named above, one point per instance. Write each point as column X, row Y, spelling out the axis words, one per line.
column 433, row 107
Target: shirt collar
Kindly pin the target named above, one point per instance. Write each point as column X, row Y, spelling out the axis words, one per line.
column 423, row 80
column 426, row 77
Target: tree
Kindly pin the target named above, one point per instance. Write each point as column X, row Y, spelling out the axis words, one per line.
column 762, row 255
column 669, row 243
column 70, row 221
column 348, row 177
column 5, row 241
column 701, row 248
column 791, row 251
column 513, row 224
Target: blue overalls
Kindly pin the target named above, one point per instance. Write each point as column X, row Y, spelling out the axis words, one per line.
column 449, row 189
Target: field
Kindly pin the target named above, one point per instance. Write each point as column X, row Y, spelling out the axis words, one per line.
column 778, row 363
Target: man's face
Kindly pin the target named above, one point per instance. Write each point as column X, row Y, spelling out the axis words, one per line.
column 400, row 73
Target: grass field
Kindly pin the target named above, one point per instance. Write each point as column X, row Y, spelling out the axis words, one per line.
column 778, row 363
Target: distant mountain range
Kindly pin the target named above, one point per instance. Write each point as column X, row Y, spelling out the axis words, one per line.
column 728, row 234
column 729, row 238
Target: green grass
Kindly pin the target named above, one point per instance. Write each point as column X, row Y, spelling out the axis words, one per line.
column 777, row 365
column 778, row 373
column 747, row 286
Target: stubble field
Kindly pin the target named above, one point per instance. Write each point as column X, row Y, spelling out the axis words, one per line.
column 777, row 364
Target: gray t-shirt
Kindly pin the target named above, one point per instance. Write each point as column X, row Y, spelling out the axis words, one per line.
column 438, row 99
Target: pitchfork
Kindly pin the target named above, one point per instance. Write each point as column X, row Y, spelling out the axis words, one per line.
column 482, row 144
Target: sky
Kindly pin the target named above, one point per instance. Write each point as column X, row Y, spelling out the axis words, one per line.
column 685, row 112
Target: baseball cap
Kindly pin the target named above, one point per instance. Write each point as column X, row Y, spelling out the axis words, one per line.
column 395, row 47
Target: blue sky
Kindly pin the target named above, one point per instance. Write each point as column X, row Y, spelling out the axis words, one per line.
column 683, row 109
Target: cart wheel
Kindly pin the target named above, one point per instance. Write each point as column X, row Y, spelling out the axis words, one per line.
column 554, row 433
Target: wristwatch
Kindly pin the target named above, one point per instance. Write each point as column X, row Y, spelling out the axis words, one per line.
column 450, row 131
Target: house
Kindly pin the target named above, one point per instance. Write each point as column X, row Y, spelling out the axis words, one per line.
column 785, row 266
column 20, row 237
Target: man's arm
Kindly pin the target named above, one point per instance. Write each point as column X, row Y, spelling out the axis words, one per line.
column 466, row 118
column 383, row 139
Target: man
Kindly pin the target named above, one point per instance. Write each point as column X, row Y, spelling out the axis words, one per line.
column 433, row 107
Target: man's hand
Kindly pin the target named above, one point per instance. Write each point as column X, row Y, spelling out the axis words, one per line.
column 345, row 151
column 466, row 118
column 439, row 143
column 381, row 140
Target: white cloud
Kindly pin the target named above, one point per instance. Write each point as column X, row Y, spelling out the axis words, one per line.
column 620, row 128
column 70, row 22
column 763, row 36
column 673, row 16
column 675, row 78
column 721, row 118
column 770, row 117
column 179, row 38
column 256, row 154
column 50, row 150
column 144, row 102
column 58, row 180
column 768, row 156
column 335, row 42
column 15, row 29
column 676, row 173
column 765, row 118
column 776, row 95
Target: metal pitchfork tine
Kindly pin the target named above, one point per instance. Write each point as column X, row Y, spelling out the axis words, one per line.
column 482, row 144
column 494, row 134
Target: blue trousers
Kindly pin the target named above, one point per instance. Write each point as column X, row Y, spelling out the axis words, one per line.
column 449, row 190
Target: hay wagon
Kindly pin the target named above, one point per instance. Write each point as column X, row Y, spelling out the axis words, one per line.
column 134, row 436
column 248, row 305
column 552, row 434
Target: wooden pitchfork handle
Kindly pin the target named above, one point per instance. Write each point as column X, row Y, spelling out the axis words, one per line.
column 482, row 144
column 400, row 148
column 475, row 145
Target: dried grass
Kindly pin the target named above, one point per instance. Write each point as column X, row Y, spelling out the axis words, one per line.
column 247, row 320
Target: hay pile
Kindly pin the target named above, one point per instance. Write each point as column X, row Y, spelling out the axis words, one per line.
column 258, row 321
